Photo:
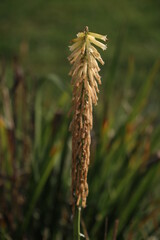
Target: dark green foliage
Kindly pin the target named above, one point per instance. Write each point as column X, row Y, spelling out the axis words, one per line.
column 35, row 159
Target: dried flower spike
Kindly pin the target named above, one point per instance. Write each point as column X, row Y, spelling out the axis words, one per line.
column 85, row 80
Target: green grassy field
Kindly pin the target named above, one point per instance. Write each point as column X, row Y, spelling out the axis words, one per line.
column 41, row 31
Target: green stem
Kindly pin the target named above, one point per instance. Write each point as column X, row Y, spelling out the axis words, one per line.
column 77, row 223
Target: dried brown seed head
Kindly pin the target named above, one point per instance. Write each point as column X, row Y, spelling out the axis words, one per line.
column 85, row 80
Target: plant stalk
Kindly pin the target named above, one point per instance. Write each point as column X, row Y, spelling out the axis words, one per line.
column 77, row 224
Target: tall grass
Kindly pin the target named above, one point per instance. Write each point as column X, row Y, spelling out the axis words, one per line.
column 35, row 155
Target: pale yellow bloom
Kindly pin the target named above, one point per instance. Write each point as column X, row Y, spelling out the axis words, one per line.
column 85, row 80
column 90, row 37
column 97, row 43
column 99, row 36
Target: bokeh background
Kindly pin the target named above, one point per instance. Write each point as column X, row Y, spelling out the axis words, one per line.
column 35, row 97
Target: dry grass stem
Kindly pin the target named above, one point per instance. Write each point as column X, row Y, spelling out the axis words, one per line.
column 85, row 79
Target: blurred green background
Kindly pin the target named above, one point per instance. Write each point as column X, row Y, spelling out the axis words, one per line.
column 45, row 28
column 35, row 97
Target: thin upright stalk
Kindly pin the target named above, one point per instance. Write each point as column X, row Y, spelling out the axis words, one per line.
column 85, row 79
column 77, row 224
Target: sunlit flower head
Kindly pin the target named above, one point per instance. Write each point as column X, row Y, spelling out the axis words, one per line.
column 85, row 79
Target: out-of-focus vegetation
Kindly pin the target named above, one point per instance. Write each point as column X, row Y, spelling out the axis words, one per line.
column 41, row 30
column 35, row 144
